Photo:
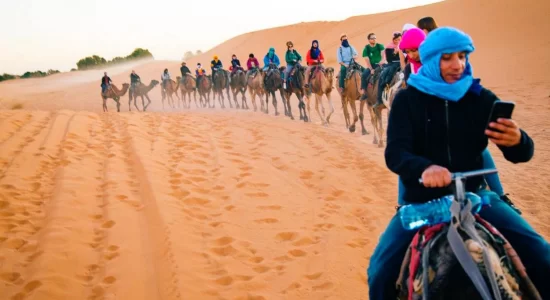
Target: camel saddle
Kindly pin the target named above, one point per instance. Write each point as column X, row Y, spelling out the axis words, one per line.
column 317, row 68
column 373, row 77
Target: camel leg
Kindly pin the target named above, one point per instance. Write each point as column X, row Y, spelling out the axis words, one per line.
column 374, row 125
column 275, row 103
column 253, row 97
column 105, row 105
column 380, row 127
column 287, row 99
column 345, row 109
column 302, row 107
column 317, row 100
column 329, row 98
column 355, row 116
column 228, row 97
column 362, row 117
column 129, row 103
column 148, row 102
column 308, row 105
column 117, row 105
column 266, row 103
column 320, row 99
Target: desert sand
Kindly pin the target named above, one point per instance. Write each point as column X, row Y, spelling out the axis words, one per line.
column 227, row 204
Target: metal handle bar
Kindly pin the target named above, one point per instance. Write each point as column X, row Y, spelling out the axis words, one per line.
column 464, row 175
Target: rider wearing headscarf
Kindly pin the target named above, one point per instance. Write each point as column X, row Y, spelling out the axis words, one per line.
column 271, row 58
column 438, row 125
column 314, row 57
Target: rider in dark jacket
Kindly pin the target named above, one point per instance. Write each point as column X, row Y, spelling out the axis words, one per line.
column 437, row 125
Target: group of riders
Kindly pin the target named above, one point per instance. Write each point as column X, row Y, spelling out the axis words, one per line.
column 437, row 125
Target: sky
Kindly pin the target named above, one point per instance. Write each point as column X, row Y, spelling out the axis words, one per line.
column 55, row 34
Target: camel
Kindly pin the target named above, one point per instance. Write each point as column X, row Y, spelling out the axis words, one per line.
column 321, row 84
column 397, row 83
column 375, row 113
column 220, row 81
column 141, row 90
column 294, row 85
column 350, row 94
column 188, row 85
column 204, row 87
column 238, row 85
column 114, row 93
column 171, row 88
column 256, row 87
column 272, row 83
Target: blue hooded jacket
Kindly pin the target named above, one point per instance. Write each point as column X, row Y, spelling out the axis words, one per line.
column 271, row 56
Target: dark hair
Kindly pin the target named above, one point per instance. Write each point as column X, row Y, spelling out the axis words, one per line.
column 251, row 55
column 427, row 23
column 370, row 34
column 396, row 34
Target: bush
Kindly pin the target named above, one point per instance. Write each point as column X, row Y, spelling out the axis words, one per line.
column 95, row 61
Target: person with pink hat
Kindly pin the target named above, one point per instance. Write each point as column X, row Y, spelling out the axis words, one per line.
column 409, row 44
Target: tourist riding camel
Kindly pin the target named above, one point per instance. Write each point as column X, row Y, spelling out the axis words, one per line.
column 427, row 24
column 346, row 54
column 252, row 64
column 271, row 58
column 105, row 83
column 392, row 54
column 200, row 73
column 235, row 64
column 314, row 58
column 165, row 78
column 374, row 56
column 184, row 70
column 409, row 44
column 438, row 126
column 292, row 58
column 135, row 80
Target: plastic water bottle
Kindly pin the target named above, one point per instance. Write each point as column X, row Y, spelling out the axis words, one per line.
column 437, row 211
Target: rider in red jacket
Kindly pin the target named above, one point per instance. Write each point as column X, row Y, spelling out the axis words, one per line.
column 314, row 57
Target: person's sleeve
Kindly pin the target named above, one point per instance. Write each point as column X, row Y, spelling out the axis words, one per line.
column 522, row 152
column 399, row 155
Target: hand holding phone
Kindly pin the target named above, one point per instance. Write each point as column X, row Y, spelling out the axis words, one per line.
column 501, row 129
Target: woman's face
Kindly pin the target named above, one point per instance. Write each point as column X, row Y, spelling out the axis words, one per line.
column 315, row 45
column 413, row 54
column 452, row 66
column 397, row 40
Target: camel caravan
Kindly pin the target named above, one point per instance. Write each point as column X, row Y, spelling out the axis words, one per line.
column 374, row 85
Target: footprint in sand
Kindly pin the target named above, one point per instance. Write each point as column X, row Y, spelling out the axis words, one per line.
column 306, row 174
column 286, row 236
column 109, row 279
column 267, row 220
column 297, row 253
column 269, row 207
column 257, row 195
column 314, row 276
column 108, row 224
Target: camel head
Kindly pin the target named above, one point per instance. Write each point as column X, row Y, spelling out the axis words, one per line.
column 282, row 68
column 125, row 85
column 178, row 78
column 330, row 72
column 154, row 82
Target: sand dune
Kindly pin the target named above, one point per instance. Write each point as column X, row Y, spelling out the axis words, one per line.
column 212, row 204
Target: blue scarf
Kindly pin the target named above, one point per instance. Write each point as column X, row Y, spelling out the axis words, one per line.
column 428, row 79
column 315, row 50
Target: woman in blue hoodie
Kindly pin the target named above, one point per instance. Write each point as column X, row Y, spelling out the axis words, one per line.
column 271, row 58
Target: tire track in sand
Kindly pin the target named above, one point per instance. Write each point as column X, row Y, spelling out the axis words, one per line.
column 162, row 281
column 33, row 188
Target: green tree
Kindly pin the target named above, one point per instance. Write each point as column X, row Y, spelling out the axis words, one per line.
column 187, row 55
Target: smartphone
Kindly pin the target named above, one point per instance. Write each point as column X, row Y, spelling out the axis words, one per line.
column 501, row 109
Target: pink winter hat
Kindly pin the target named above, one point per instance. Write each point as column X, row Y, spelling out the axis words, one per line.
column 412, row 39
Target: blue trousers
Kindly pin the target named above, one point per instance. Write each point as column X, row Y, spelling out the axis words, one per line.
column 532, row 249
column 493, row 180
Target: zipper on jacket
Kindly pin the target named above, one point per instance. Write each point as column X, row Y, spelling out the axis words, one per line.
column 448, row 132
